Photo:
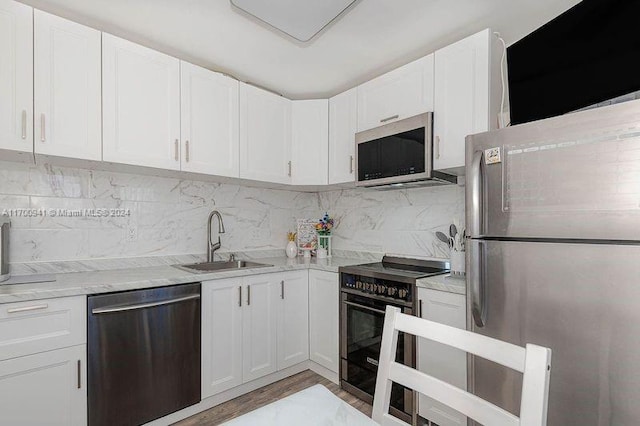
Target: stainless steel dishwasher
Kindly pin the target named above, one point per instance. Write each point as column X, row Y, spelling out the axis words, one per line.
column 143, row 354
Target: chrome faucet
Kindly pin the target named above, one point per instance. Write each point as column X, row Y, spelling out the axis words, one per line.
column 211, row 246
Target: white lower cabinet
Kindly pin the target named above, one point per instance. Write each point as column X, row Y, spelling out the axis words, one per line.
column 251, row 327
column 48, row 388
column 443, row 362
column 221, row 335
column 323, row 318
column 259, row 322
column 293, row 319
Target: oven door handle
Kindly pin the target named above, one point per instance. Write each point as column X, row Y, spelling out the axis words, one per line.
column 368, row 308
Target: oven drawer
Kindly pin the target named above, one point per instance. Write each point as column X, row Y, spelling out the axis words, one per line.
column 41, row 325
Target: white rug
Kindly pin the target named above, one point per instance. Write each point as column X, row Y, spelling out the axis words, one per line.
column 314, row 406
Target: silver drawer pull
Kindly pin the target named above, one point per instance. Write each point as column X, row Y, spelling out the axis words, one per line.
column 177, row 150
column 351, row 164
column 27, row 308
column 143, row 305
column 187, row 151
column 43, row 135
column 393, row 117
column 24, row 124
column 437, row 147
column 289, row 174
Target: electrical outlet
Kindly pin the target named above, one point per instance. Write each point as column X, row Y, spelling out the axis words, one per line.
column 132, row 233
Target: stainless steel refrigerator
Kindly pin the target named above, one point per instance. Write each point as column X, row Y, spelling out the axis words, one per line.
column 553, row 258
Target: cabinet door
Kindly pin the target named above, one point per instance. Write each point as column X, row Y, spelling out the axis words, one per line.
column 399, row 94
column 221, row 335
column 443, row 362
column 265, row 135
column 310, row 142
column 16, row 76
column 259, row 323
column 141, row 105
column 293, row 319
column 48, row 388
column 323, row 318
column 68, row 99
column 209, row 122
column 461, row 98
column 343, row 126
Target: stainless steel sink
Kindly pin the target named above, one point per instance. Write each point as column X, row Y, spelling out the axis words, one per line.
column 221, row 266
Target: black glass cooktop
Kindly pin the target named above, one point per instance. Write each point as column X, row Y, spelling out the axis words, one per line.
column 402, row 268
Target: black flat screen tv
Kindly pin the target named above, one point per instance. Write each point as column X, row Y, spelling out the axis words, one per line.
column 587, row 55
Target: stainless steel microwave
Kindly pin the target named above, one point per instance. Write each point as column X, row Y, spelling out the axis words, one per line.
column 398, row 154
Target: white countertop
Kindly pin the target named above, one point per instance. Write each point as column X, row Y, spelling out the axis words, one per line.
column 106, row 281
column 449, row 283
column 78, row 283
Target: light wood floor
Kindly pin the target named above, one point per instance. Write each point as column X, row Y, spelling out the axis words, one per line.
column 268, row 394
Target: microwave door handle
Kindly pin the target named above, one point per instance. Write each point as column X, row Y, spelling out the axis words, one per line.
column 477, row 281
column 476, row 225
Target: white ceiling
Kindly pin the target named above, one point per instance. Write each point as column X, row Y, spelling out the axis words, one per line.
column 372, row 37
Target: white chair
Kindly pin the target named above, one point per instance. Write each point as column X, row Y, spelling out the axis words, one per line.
column 533, row 361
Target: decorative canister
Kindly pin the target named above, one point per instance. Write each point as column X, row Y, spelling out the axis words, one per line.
column 324, row 242
column 292, row 248
column 457, row 262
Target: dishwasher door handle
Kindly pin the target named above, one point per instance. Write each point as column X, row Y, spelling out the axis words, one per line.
column 108, row 310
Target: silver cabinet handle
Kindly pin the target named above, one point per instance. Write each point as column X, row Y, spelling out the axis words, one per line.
column 351, row 164
column 79, row 374
column 24, row 124
column 420, row 308
column 187, row 151
column 393, row 117
column 27, row 308
column 477, row 287
column 240, row 296
column 289, row 168
column 248, row 295
column 43, row 136
column 438, row 147
column 108, row 310
column 282, row 289
column 177, row 150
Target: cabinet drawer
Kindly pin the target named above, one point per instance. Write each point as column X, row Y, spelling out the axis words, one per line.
column 41, row 325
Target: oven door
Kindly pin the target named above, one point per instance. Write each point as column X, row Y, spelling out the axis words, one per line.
column 361, row 325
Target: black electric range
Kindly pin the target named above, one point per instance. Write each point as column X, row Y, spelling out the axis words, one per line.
column 365, row 291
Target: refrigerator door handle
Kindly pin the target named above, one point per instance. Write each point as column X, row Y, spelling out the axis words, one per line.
column 477, row 196
column 477, row 282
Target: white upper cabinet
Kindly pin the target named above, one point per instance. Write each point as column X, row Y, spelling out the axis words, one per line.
column 401, row 93
column 310, row 153
column 463, row 97
column 67, row 77
column 265, row 135
column 16, row 76
column 141, row 105
column 293, row 319
column 343, row 126
column 209, row 122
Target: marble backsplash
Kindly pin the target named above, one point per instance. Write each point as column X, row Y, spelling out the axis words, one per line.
column 168, row 216
column 398, row 221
